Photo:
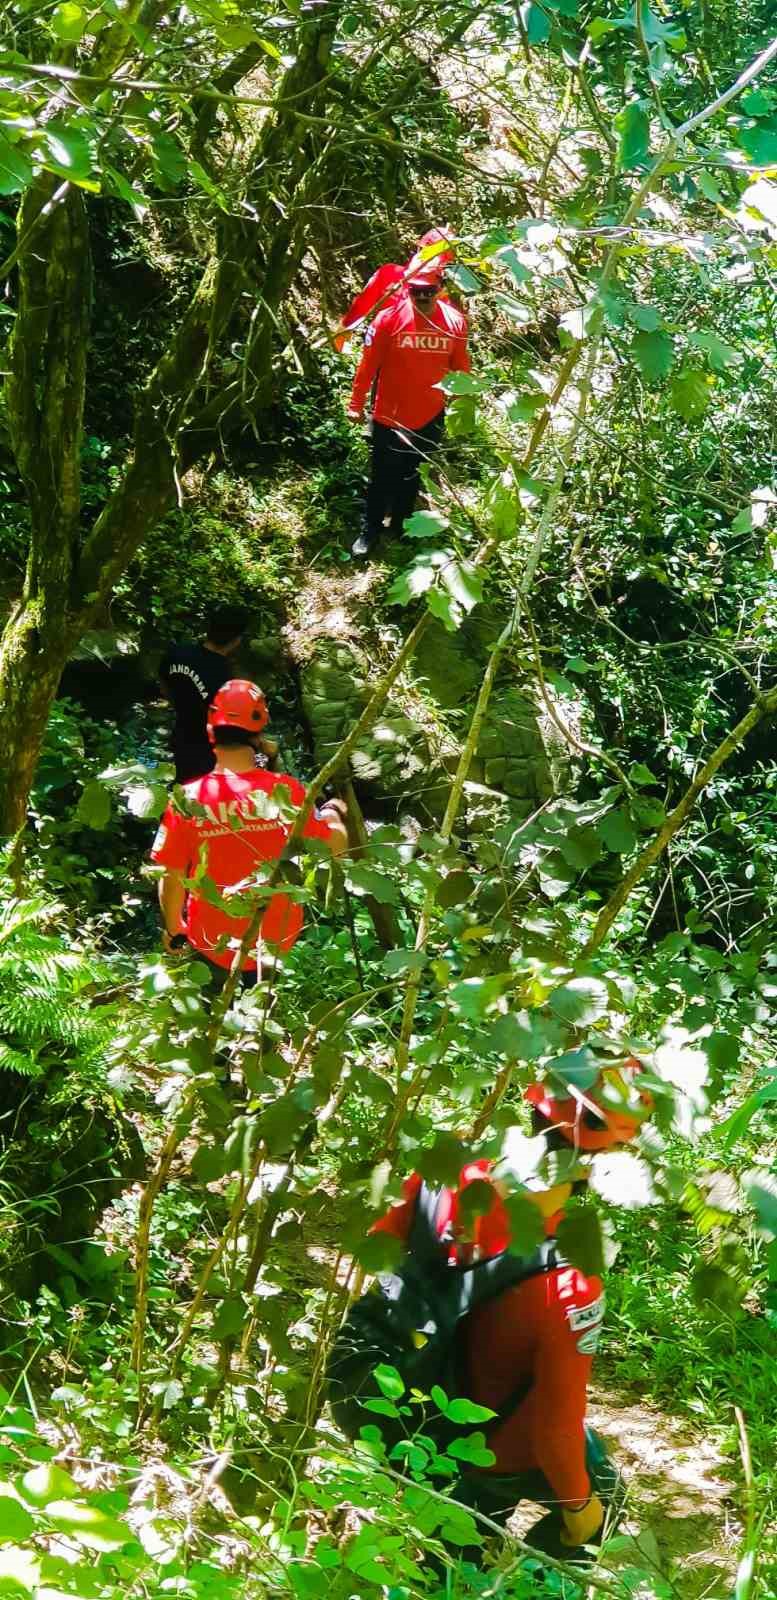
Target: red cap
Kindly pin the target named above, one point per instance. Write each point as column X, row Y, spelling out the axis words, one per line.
column 621, row 1108
column 431, row 270
column 238, row 704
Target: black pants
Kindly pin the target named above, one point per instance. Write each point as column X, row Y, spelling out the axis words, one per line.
column 397, row 455
column 496, row 1495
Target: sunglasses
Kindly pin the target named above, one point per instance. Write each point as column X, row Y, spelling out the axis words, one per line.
column 422, row 292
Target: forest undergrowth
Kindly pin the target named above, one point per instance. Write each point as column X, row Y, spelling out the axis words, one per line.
column 191, row 198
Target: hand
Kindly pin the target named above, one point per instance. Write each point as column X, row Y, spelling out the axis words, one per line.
column 174, row 944
column 352, row 415
column 582, row 1526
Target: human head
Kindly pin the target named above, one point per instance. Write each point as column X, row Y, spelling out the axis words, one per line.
column 424, row 288
column 443, row 256
column 237, row 714
column 224, row 627
column 607, row 1114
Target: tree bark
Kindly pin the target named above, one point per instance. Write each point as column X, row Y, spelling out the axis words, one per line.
column 45, row 390
column 178, row 417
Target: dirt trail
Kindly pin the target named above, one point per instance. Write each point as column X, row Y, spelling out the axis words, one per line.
column 682, row 1518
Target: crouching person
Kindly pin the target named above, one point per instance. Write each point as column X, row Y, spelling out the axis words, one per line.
column 513, row 1334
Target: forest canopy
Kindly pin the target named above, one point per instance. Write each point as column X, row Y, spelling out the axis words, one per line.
column 544, row 704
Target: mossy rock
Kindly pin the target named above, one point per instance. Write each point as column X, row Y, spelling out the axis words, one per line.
column 452, row 664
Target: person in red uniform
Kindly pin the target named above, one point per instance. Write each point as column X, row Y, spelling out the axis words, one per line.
column 241, row 817
column 410, row 347
column 382, row 288
column 544, row 1331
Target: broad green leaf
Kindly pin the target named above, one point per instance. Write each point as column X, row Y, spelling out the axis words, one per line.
column 646, row 813
column 364, row 880
column 761, row 1191
column 599, row 26
column 475, row 997
column 719, row 354
column 15, row 1521
column 425, row 525
column 209, row 1163
column 759, row 143
column 580, row 1239
column 641, row 775
column 689, row 393
column 580, row 1002
column 646, row 317
column 708, row 186
column 415, row 580
column 513, row 309
column 460, row 383
column 389, row 1382
column 622, row 1179
column 119, row 186
column 15, row 169
column 454, row 890
column 523, row 1034
column 89, row 1526
column 473, row 1450
column 525, row 407
column 575, row 1068
column 48, row 1482
column 761, row 196
column 379, row 1252
column 403, row 961
column 464, row 583
column 381, row 1408
column 527, row 1228
column 170, row 166
column 581, row 848
column 461, row 1411
column 444, row 608
column 475, row 1200
column 463, row 278
column 67, row 150
column 230, row 1318
column 536, row 22
column 461, row 415
column 654, row 354
column 443, row 1162
column 68, row 22
column 617, row 832
column 94, row 806
column 632, row 125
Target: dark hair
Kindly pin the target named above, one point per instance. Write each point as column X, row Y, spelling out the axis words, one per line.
column 224, row 623
column 230, row 738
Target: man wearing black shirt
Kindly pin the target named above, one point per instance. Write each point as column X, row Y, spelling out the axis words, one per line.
column 191, row 675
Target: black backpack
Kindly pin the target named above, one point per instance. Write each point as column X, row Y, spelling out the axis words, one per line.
column 410, row 1320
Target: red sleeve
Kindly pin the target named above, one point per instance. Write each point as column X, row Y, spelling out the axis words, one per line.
column 172, row 846
column 399, row 1219
column 386, row 278
column 375, row 347
column 571, row 1322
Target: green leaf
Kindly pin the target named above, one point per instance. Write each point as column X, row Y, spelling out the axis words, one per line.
column 209, row 1163
column 464, row 583
column 522, row 1034
column 381, row 1408
column 708, row 186
column 461, row 415
column 460, row 383
column 581, row 848
column 632, row 125
column 641, row 775
column 763, row 1199
column 397, row 961
column 119, row 186
column 364, row 880
column 759, row 143
column 527, row 1228
column 646, row 317
column 454, row 889
column 15, row 169
column 15, row 1522
column 464, row 279
column 580, row 1002
column 761, row 196
column 379, row 1252
column 474, row 997
column 67, row 150
column 536, row 22
column 654, row 354
column 689, row 393
column 575, row 1068
column 89, row 1526
column 94, row 806
column 443, row 1162
column 169, row 161
column 646, row 813
column 444, row 608
column 46, row 1483
column 425, row 525
column 415, row 580
column 467, row 1411
column 617, row 832
column 580, row 1239
column 719, row 354
column 475, row 1200
column 473, row 1450
column 68, row 22
column 599, row 26
column 230, row 1318
column 389, row 1382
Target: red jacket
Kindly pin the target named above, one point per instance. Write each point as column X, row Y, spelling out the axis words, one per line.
column 409, row 352
column 545, row 1329
column 391, row 276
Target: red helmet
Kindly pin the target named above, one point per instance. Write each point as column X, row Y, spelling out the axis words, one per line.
column 621, row 1107
column 238, row 704
column 429, row 270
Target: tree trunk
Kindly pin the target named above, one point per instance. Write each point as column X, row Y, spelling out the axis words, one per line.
column 178, row 417
column 45, row 392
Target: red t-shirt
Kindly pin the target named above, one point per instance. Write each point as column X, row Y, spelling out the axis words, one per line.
column 545, row 1329
column 230, row 840
column 409, row 351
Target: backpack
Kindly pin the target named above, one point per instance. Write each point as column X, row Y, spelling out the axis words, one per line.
column 410, row 1319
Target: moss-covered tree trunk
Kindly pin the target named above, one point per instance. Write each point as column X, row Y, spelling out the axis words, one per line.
column 45, row 389
column 179, row 415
